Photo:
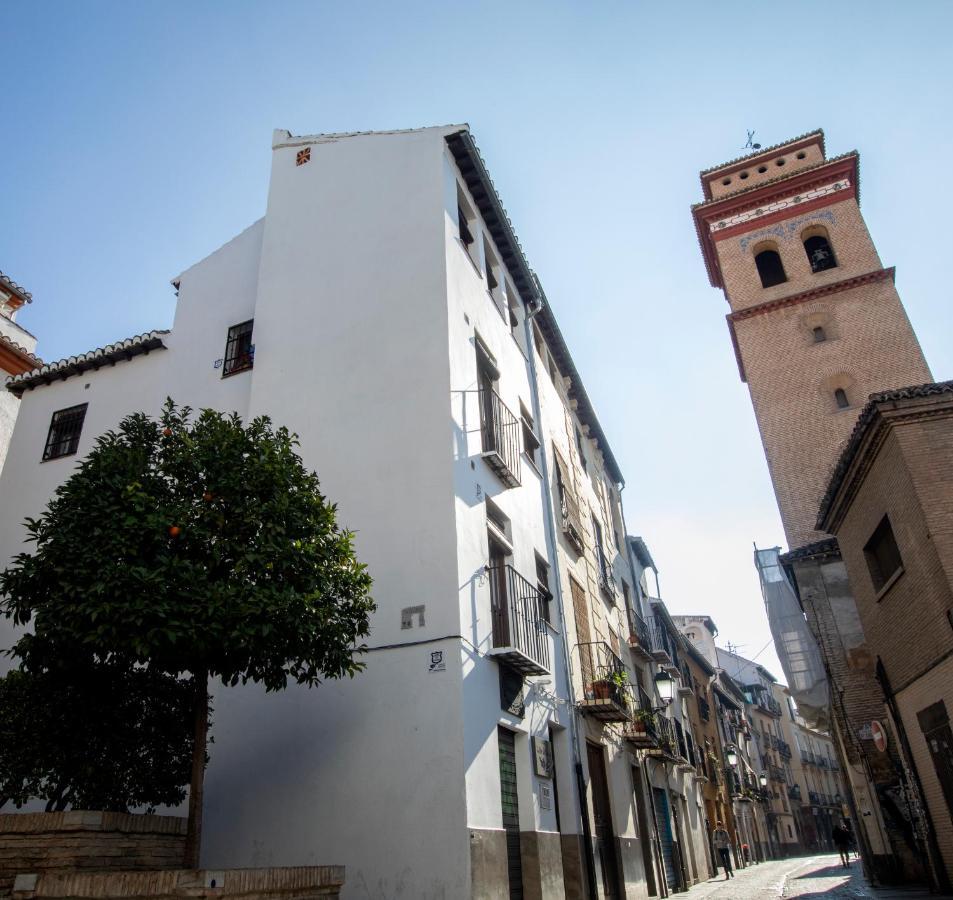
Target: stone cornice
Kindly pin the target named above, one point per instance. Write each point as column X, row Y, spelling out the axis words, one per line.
column 827, row 548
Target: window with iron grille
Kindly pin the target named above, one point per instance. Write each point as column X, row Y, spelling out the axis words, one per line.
column 65, row 429
column 239, row 350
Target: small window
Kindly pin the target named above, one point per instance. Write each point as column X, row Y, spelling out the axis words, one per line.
column 819, row 253
column 492, row 271
column 770, row 268
column 882, row 555
column 581, row 449
column 542, row 585
column 239, row 350
column 512, row 306
column 465, row 221
column 530, row 440
column 840, row 397
column 65, row 428
column 819, row 334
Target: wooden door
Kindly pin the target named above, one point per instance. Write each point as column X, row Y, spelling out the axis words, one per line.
column 602, row 821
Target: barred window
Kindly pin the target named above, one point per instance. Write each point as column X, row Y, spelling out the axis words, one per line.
column 65, row 429
column 239, row 350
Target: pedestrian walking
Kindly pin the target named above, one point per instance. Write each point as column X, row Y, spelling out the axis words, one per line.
column 722, row 841
column 841, row 837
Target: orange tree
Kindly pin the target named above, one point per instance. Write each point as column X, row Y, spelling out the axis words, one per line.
column 202, row 547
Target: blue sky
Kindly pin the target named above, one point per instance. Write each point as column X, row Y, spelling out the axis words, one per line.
column 137, row 139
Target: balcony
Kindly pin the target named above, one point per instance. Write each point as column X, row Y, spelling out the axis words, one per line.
column 776, row 773
column 642, row 732
column 686, row 685
column 663, row 649
column 794, row 792
column 640, row 643
column 784, row 749
column 607, row 693
column 814, row 798
column 520, row 637
column 501, row 437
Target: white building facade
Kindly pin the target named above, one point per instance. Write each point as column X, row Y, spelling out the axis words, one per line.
column 383, row 310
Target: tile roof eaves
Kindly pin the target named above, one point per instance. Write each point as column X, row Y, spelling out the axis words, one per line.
column 13, row 286
column 866, row 418
column 62, row 368
column 17, row 348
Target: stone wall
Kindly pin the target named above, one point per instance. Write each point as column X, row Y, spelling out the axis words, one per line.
column 67, row 841
column 291, row 883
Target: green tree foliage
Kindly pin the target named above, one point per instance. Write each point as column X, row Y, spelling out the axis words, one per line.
column 94, row 736
column 201, row 547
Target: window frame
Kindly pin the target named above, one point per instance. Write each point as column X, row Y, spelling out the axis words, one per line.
column 233, row 337
column 70, row 438
column 874, row 556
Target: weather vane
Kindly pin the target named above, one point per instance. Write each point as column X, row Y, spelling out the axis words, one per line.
column 751, row 145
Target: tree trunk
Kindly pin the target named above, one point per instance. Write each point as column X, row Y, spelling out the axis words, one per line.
column 193, row 839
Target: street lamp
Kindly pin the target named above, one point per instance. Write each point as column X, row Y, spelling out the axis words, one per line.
column 763, row 779
column 665, row 685
column 732, row 756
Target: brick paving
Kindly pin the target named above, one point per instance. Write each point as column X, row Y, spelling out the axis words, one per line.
column 807, row 878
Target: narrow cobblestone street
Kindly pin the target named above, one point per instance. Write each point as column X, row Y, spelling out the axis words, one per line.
column 805, row 877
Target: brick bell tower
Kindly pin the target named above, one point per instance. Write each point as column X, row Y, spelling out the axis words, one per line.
column 816, row 322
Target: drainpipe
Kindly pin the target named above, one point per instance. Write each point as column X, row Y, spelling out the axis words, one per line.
column 575, row 742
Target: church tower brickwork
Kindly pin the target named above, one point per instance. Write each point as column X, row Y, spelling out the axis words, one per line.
column 816, row 321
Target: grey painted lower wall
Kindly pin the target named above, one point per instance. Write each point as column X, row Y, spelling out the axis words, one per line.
column 543, row 854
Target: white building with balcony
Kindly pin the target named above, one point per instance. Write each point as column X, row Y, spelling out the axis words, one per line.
column 383, row 310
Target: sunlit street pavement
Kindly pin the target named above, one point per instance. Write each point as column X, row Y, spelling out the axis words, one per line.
column 821, row 877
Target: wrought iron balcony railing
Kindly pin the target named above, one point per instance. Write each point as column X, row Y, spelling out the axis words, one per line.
column 794, row 792
column 640, row 643
column 776, row 773
column 663, row 648
column 520, row 637
column 784, row 748
column 606, row 690
column 501, row 437
column 643, row 731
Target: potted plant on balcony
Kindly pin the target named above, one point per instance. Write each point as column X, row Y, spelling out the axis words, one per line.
column 643, row 720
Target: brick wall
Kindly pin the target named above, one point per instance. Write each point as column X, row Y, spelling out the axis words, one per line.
column 290, row 883
column 64, row 841
column 791, row 378
column 851, row 242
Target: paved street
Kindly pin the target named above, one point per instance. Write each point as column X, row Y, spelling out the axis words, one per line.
column 810, row 878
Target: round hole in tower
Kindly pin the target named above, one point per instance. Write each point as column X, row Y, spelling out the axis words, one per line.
column 743, row 175
column 779, row 162
column 762, row 170
column 801, row 155
column 726, row 181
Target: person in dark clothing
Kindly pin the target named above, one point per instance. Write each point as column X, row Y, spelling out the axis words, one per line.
column 722, row 841
column 841, row 837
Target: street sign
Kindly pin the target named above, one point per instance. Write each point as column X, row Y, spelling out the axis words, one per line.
column 879, row 736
